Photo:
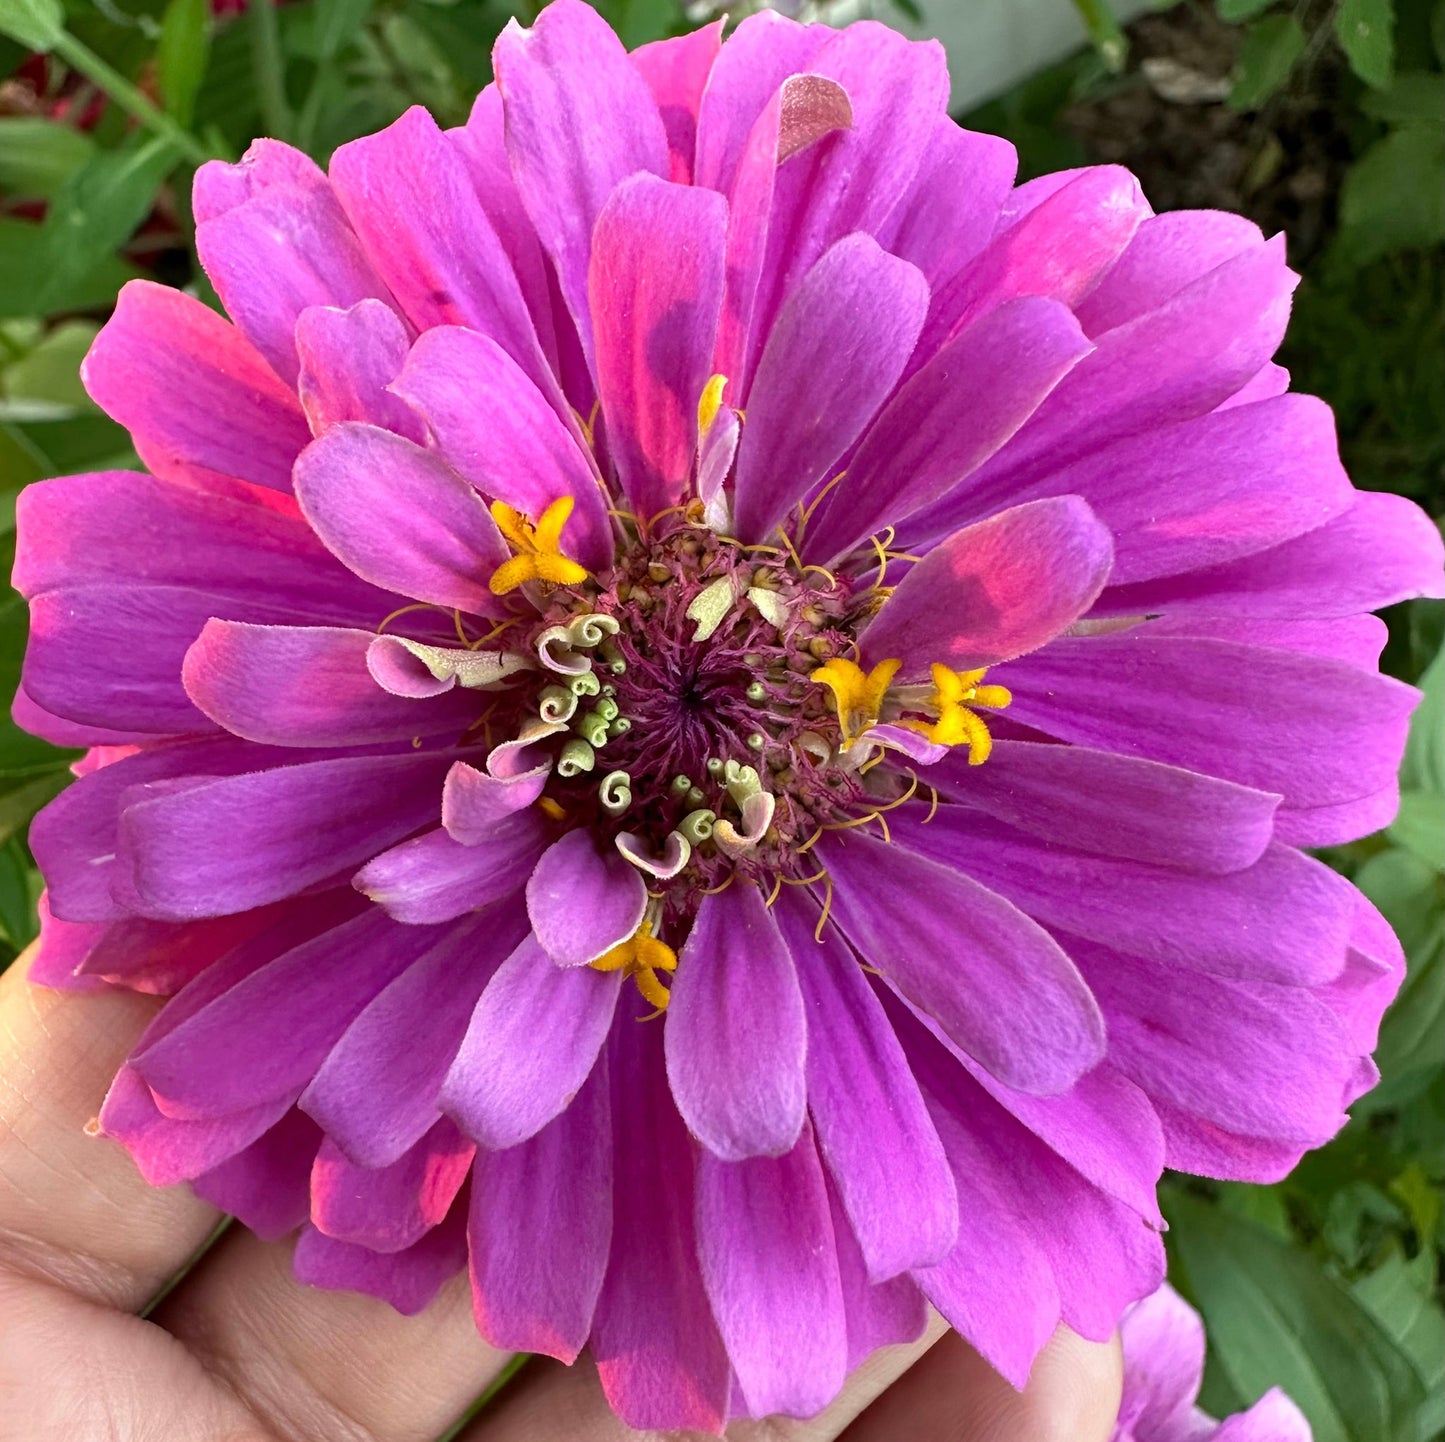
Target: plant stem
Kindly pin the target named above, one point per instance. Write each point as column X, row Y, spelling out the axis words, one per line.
column 82, row 58
column 266, row 61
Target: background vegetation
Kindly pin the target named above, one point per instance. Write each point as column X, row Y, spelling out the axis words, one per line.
column 1319, row 117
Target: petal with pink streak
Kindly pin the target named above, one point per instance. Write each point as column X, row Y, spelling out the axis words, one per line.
column 1020, row 1007
column 409, row 1280
column 1059, row 249
column 348, row 359
column 994, row 590
column 433, row 878
column 654, row 287
column 29, row 715
column 236, row 842
column 265, row 1037
column 307, row 686
column 197, row 399
column 1382, row 550
column 408, row 195
column 677, row 71
column 284, row 249
column 659, row 1357
column 1315, row 731
column 399, row 518
column 923, row 443
column 760, row 1221
column 64, row 947
column 1284, row 919
column 539, row 1244
column 872, row 1127
column 159, row 957
column 736, row 1035
column 1206, row 1150
column 838, row 348
column 530, row 1046
column 266, row 1186
column 378, row 1091
column 387, row 1209
column 491, row 424
column 1113, row 805
column 583, row 899
column 580, row 119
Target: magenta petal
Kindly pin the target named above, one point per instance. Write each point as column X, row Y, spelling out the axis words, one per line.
column 923, row 442
column 659, row 1356
column 493, row 426
column 433, row 878
column 583, row 899
column 196, row 398
column 654, row 288
column 400, row 518
column 349, row 358
column 872, row 1127
column 531, row 1044
column 409, row 1280
column 221, row 186
column 386, row 1209
column 1163, row 1339
column 1020, row 1008
column 1274, row 1418
column 306, row 686
column 676, row 71
column 1113, row 805
column 266, row 1186
column 408, row 195
column 770, row 1266
column 736, row 1034
column 580, row 119
column 378, row 1091
column 539, row 1244
column 839, row 345
column 64, row 948
column 240, row 841
column 994, row 590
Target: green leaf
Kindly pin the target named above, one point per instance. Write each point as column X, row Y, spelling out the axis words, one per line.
column 338, row 22
column 1393, row 197
column 37, row 154
column 1274, row 1318
column 1400, row 1295
column 36, row 24
column 182, row 54
column 1366, row 32
column 1420, row 826
column 1105, row 32
column 18, row 923
column 1423, row 768
column 1235, row 10
column 1271, row 47
column 1416, row 98
column 49, row 372
column 24, row 268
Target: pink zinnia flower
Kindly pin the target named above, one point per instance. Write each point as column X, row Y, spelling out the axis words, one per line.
column 710, row 709
column 1163, row 1367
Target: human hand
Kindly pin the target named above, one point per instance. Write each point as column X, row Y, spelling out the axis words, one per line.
column 240, row 1351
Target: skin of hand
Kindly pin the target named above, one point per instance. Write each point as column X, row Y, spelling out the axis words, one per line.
column 241, row 1352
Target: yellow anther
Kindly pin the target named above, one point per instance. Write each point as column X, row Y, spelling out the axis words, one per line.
column 857, row 694
column 539, row 548
column 548, row 807
column 710, row 403
column 955, row 694
column 641, row 957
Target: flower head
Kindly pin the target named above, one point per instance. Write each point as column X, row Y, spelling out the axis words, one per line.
column 1163, row 1368
column 702, row 690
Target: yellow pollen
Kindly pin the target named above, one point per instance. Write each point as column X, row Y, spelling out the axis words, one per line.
column 857, row 694
column 641, row 957
column 539, row 555
column 710, row 403
column 955, row 694
column 548, row 807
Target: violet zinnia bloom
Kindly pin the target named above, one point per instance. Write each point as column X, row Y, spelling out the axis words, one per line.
column 709, row 709
column 1163, row 1367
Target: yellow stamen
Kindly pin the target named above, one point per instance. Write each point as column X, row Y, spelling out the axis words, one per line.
column 710, row 403
column 857, row 694
column 539, row 548
column 641, row 957
column 955, row 694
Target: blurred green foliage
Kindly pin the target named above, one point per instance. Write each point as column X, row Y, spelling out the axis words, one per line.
column 1327, row 1283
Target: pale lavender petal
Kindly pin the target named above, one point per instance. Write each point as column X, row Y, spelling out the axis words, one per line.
column 1163, row 1340
column 583, row 899
column 531, row 1044
column 736, row 1035
column 349, row 358
column 221, row 186
column 474, row 802
column 1274, row 1418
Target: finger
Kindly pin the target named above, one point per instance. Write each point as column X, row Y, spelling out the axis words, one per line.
column 323, row 1366
column 547, row 1402
column 953, row 1395
column 73, row 1208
